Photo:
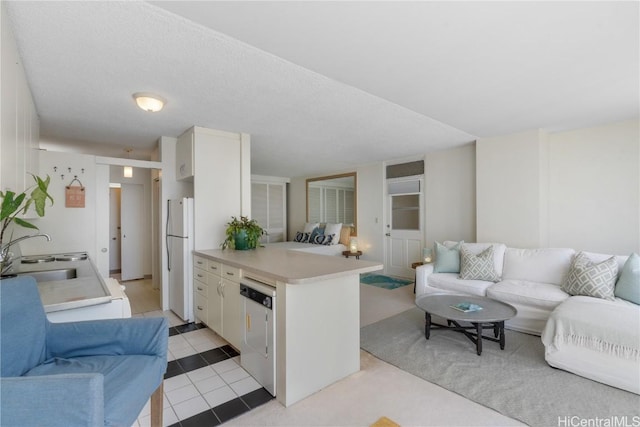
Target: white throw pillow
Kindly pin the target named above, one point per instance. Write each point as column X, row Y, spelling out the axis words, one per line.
column 309, row 226
column 334, row 229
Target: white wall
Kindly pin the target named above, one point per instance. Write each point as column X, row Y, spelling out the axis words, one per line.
column 371, row 211
column 71, row 229
column 509, row 206
column 450, row 195
column 594, row 188
column 577, row 189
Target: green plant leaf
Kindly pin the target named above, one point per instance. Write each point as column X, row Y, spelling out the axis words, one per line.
column 39, row 195
column 10, row 205
column 24, row 223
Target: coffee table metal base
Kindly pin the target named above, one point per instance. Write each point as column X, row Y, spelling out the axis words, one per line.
column 476, row 338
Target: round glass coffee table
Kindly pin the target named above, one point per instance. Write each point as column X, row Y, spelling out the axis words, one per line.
column 491, row 315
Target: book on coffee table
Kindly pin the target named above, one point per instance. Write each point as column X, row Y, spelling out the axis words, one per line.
column 466, row 307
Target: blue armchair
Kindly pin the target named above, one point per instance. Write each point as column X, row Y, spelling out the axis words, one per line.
column 90, row 373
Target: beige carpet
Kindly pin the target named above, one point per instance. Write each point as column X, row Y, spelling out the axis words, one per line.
column 378, row 303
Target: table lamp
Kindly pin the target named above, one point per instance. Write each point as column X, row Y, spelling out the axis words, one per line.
column 353, row 245
column 426, row 255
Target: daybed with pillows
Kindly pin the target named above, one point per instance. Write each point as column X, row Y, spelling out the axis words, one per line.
column 321, row 239
column 585, row 306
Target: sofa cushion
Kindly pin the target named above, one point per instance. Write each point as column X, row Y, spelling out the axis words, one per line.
column 478, row 267
column 447, row 257
column 591, row 279
column 523, row 292
column 628, row 285
column 545, row 265
column 498, row 253
column 450, row 282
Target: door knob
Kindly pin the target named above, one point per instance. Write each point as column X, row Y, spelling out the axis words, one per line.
column 388, row 234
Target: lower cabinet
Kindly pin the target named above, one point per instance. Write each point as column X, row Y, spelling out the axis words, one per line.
column 232, row 315
column 217, row 300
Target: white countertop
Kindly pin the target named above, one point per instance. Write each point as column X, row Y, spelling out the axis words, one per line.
column 86, row 289
column 290, row 266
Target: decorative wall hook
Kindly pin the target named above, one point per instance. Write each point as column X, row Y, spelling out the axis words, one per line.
column 61, row 176
column 55, row 169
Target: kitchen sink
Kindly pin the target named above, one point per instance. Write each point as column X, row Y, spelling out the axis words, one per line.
column 51, row 275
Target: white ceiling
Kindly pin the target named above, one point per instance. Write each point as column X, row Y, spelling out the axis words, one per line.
column 325, row 86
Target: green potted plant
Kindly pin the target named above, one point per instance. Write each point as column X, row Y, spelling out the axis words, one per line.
column 12, row 206
column 242, row 234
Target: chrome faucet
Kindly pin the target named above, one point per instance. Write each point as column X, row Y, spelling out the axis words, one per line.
column 6, row 257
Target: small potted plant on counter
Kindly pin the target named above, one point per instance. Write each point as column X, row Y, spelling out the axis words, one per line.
column 242, row 234
column 12, row 206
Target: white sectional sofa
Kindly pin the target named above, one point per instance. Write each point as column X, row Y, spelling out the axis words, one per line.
column 592, row 337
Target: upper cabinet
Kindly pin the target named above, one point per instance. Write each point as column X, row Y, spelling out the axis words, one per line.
column 219, row 165
column 184, row 155
column 20, row 125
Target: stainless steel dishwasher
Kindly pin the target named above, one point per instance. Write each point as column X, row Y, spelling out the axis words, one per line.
column 258, row 348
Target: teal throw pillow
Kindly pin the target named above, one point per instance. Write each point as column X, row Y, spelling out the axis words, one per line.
column 628, row 285
column 447, row 259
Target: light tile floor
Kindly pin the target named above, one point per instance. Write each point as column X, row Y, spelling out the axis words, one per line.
column 204, row 384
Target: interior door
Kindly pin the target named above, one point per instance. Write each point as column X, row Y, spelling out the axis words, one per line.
column 114, row 229
column 132, row 223
column 404, row 232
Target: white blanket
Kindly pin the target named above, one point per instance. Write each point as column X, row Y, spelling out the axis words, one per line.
column 611, row 327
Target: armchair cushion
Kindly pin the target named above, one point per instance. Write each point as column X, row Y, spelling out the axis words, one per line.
column 56, row 400
column 147, row 336
column 23, row 331
column 128, row 381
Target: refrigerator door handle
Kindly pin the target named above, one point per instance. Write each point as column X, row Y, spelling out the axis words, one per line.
column 166, row 237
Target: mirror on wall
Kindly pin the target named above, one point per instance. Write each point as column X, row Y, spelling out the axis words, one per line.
column 333, row 199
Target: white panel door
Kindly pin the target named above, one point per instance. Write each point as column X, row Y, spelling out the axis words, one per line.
column 114, row 229
column 404, row 233
column 132, row 222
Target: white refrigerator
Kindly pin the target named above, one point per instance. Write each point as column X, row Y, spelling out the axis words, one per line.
column 180, row 257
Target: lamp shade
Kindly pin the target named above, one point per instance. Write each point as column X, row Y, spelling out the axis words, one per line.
column 149, row 102
column 426, row 255
column 353, row 245
column 127, row 172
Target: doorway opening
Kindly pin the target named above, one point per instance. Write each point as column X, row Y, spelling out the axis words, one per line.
column 131, row 218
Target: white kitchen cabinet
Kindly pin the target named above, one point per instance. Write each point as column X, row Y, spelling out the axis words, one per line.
column 20, row 125
column 221, row 182
column 200, row 290
column 217, row 298
column 184, row 155
column 214, row 299
column 232, row 315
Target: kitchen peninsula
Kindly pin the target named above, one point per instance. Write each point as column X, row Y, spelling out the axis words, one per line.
column 317, row 325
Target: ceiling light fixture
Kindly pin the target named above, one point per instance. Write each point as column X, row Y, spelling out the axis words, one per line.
column 149, row 102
